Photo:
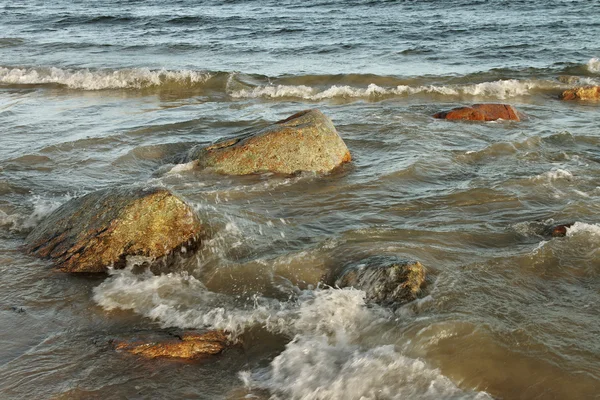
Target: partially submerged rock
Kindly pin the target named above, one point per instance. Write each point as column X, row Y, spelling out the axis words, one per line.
column 582, row 93
column 306, row 141
column 386, row 280
column 559, row 230
column 188, row 346
column 481, row 112
column 103, row 228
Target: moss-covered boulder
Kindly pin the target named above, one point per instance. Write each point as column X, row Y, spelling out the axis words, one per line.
column 103, row 228
column 385, row 280
column 306, row 141
column 582, row 93
column 481, row 112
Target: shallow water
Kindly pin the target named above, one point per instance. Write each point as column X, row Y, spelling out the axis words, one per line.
column 98, row 95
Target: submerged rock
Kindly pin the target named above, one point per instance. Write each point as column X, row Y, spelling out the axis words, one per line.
column 386, row 280
column 582, row 93
column 188, row 346
column 100, row 229
column 306, row 141
column 481, row 112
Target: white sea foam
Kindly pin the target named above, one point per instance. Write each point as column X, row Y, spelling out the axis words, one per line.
column 582, row 227
column 593, row 65
column 22, row 222
column 501, row 89
column 554, row 175
column 327, row 358
column 135, row 78
column 183, row 167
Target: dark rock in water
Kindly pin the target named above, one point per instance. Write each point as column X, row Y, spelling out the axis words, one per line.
column 189, row 346
column 100, row 229
column 386, row 280
column 481, row 112
column 559, row 230
column 306, row 141
column 582, row 93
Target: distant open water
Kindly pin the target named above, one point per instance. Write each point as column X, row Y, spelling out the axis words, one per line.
column 98, row 94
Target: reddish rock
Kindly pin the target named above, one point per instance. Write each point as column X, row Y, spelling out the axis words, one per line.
column 582, row 93
column 189, row 346
column 481, row 112
column 560, row 230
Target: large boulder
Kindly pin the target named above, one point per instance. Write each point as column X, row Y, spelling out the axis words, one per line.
column 306, row 141
column 385, row 280
column 103, row 228
column 582, row 93
column 188, row 346
column 481, row 112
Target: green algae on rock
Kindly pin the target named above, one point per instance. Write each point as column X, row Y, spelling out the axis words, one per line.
column 306, row 141
column 100, row 229
column 385, row 280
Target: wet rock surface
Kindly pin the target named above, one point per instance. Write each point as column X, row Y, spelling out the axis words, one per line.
column 582, row 93
column 306, row 141
column 103, row 228
column 481, row 112
column 188, row 346
column 387, row 280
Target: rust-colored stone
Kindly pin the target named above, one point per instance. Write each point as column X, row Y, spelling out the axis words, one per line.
column 481, row 112
column 189, row 346
column 582, row 93
column 100, row 229
column 560, row 230
column 306, row 141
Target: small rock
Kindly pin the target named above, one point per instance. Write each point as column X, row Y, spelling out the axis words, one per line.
column 582, row 93
column 481, row 112
column 306, row 141
column 386, row 280
column 560, row 230
column 103, row 228
column 189, row 346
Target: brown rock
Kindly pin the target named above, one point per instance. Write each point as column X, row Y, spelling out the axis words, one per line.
column 386, row 280
column 582, row 93
column 306, row 141
column 481, row 112
column 560, row 230
column 100, row 229
column 189, row 346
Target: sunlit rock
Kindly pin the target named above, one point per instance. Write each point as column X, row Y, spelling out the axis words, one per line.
column 481, row 112
column 103, row 228
column 582, row 93
column 385, row 280
column 188, row 346
column 306, row 141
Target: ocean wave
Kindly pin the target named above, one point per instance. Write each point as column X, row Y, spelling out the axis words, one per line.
column 328, row 356
column 582, row 227
column 500, row 89
column 593, row 65
column 86, row 79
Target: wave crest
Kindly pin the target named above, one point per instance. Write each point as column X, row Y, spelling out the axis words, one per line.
column 135, row 78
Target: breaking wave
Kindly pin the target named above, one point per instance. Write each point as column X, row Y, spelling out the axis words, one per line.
column 594, row 65
column 327, row 357
column 500, row 89
column 86, row 79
